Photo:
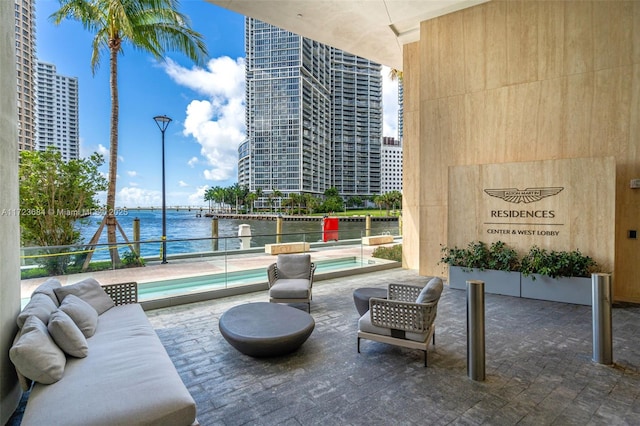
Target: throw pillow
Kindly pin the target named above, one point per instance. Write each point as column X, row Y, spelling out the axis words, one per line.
column 67, row 335
column 90, row 291
column 48, row 288
column 35, row 354
column 83, row 314
column 431, row 292
column 40, row 305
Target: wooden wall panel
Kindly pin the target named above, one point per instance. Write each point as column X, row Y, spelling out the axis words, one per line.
column 527, row 81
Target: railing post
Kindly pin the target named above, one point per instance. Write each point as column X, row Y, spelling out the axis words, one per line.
column 367, row 225
column 136, row 235
column 214, row 233
column 475, row 330
column 279, row 229
column 601, row 296
column 244, row 233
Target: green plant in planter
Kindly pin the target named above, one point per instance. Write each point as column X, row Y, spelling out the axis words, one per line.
column 556, row 264
column 478, row 255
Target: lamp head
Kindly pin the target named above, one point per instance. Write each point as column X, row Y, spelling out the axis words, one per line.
column 162, row 121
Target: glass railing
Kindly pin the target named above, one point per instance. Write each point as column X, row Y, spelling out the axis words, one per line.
column 199, row 264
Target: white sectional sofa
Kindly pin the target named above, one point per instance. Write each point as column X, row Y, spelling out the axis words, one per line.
column 122, row 375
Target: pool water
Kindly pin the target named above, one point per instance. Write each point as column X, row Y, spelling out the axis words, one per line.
column 176, row 286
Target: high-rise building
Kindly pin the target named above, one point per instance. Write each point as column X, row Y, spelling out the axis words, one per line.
column 391, row 165
column 313, row 115
column 25, row 21
column 57, row 112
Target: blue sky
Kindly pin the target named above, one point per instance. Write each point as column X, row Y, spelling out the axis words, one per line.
column 206, row 105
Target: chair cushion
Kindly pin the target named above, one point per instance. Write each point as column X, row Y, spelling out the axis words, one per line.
column 90, row 291
column 364, row 324
column 431, row 292
column 294, row 266
column 67, row 335
column 290, row 289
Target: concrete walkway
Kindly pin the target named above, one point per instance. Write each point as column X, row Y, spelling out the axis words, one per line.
column 538, row 366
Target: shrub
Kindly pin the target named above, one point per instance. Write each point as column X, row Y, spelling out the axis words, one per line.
column 390, row 253
column 556, row 264
column 477, row 255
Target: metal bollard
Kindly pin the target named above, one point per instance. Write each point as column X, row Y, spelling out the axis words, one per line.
column 475, row 330
column 601, row 296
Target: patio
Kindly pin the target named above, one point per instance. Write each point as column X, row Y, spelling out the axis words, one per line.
column 538, row 369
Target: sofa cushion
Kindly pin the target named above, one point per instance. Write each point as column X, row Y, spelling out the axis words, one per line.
column 67, row 335
column 83, row 314
column 431, row 292
column 48, row 288
column 40, row 305
column 35, row 354
column 294, row 266
column 88, row 290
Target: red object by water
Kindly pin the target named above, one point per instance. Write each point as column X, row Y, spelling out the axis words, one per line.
column 330, row 229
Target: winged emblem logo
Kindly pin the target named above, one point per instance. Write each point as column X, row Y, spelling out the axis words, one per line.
column 529, row 195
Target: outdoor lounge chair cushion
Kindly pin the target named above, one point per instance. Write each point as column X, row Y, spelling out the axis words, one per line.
column 67, row 335
column 90, row 291
column 364, row 324
column 431, row 292
column 35, row 354
column 294, row 266
column 291, row 289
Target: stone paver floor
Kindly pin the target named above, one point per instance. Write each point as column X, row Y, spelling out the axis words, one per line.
column 538, row 366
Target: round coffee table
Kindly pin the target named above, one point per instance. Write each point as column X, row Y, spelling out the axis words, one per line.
column 362, row 295
column 265, row 329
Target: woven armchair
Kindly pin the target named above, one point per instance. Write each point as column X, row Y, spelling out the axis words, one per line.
column 291, row 279
column 406, row 318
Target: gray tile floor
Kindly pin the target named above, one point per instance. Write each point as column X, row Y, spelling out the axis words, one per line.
column 538, row 366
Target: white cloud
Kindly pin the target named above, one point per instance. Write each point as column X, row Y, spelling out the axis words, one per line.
column 103, row 150
column 183, row 183
column 216, row 123
column 138, row 197
column 193, row 161
column 197, row 198
column 132, row 173
column 390, row 104
column 121, row 158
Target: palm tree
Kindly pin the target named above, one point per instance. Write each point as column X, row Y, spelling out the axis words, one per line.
column 153, row 26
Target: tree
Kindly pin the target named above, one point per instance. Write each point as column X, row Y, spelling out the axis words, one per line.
column 153, row 26
column 53, row 196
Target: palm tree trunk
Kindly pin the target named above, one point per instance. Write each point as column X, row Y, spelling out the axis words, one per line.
column 114, row 47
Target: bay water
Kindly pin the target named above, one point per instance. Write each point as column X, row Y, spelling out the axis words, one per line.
column 189, row 233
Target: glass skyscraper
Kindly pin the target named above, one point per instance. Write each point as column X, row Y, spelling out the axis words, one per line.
column 313, row 115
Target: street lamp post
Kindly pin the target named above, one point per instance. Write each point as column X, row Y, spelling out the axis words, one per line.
column 163, row 122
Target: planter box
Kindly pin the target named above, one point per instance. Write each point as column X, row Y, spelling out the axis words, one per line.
column 495, row 282
column 568, row 290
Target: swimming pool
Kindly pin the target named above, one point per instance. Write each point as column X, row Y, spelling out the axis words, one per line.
column 180, row 286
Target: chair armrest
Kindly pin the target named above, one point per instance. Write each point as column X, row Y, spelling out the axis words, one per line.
column 407, row 316
column 403, row 292
column 272, row 274
column 311, row 272
column 122, row 293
